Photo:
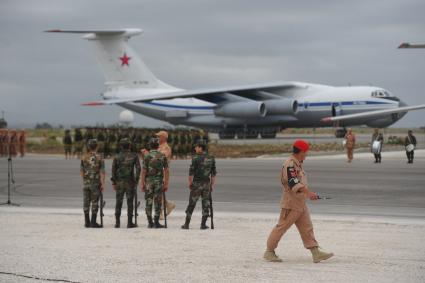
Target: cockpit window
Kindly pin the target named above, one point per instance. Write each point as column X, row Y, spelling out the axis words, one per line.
column 381, row 93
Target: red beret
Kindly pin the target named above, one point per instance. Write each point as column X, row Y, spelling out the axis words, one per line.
column 301, row 145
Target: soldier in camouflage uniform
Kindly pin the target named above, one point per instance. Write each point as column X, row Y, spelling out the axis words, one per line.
column 92, row 170
column 202, row 174
column 125, row 177
column 154, row 181
column 79, row 143
column 101, row 139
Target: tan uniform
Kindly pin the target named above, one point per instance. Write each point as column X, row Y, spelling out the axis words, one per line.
column 351, row 141
column 293, row 206
column 166, row 150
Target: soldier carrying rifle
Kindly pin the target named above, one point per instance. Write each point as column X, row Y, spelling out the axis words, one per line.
column 92, row 171
column 202, row 175
column 125, row 177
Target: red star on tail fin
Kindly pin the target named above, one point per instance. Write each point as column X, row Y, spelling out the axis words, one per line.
column 125, row 59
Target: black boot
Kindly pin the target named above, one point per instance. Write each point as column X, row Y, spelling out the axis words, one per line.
column 186, row 224
column 93, row 221
column 130, row 223
column 150, row 222
column 157, row 225
column 117, row 221
column 203, row 223
column 87, row 218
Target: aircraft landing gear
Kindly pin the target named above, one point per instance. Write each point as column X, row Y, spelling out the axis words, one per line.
column 340, row 133
column 247, row 134
column 268, row 135
column 226, row 135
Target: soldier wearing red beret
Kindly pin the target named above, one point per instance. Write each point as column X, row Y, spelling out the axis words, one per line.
column 293, row 206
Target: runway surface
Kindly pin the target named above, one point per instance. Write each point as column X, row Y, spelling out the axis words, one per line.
column 311, row 138
column 392, row 188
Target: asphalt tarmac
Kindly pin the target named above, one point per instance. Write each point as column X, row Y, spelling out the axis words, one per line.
column 393, row 188
column 311, row 138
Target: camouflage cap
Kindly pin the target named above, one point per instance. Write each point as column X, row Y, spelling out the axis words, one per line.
column 154, row 142
column 92, row 142
column 125, row 142
column 201, row 142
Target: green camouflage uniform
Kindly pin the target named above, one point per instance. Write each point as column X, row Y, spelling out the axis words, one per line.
column 67, row 143
column 125, row 176
column 92, row 165
column 79, row 142
column 201, row 168
column 154, row 163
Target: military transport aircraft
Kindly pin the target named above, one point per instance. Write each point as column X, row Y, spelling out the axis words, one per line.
column 246, row 111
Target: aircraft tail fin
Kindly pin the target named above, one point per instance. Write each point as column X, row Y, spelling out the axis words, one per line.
column 120, row 64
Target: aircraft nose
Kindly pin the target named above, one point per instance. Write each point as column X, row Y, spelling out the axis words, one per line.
column 402, row 103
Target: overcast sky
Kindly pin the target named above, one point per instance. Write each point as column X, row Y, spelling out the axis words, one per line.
column 44, row 77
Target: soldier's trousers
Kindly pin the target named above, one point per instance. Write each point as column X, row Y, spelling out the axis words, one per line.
column 350, row 153
column 410, row 155
column 286, row 220
column 128, row 190
column 199, row 189
column 153, row 194
column 91, row 196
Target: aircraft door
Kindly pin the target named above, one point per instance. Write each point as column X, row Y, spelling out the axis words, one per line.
column 336, row 109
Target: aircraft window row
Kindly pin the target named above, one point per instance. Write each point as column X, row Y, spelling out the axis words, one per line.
column 380, row 93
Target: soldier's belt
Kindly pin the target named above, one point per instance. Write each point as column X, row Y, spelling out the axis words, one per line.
column 206, row 180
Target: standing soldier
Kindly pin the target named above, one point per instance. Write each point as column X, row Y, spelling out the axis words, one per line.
column 350, row 142
column 165, row 149
column 125, row 177
column 2, row 134
column 13, row 143
column 112, row 142
column 22, row 143
column 202, row 174
column 376, row 145
column 92, row 170
column 293, row 207
column 410, row 144
column 101, row 142
column 67, row 144
column 155, row 176
column 78, row 143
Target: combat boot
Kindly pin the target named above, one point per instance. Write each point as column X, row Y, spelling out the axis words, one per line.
column 87, row 220
column 157, row 224
column 130, row 223
column 150, row 222
column 186, row 223
column 271, row 256
column 93, row 221
column 117, row 221
column 203, row 223
column 319, row 255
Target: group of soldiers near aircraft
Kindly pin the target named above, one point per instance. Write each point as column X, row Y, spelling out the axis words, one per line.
column 376, row 145
column 12, row 143
column 108, row 139
column 152, row 177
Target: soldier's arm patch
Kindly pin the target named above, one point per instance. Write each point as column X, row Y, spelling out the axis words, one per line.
column 213, row 167
column 292, row 177
column 192, row 167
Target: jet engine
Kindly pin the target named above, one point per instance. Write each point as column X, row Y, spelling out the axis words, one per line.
column 242, row 109
column 281, row 106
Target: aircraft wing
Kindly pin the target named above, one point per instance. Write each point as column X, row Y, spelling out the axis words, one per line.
column 209, row 94
column 373, row 114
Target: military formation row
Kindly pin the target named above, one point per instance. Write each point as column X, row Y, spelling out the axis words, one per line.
column 12, row 142
column 180, row 141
